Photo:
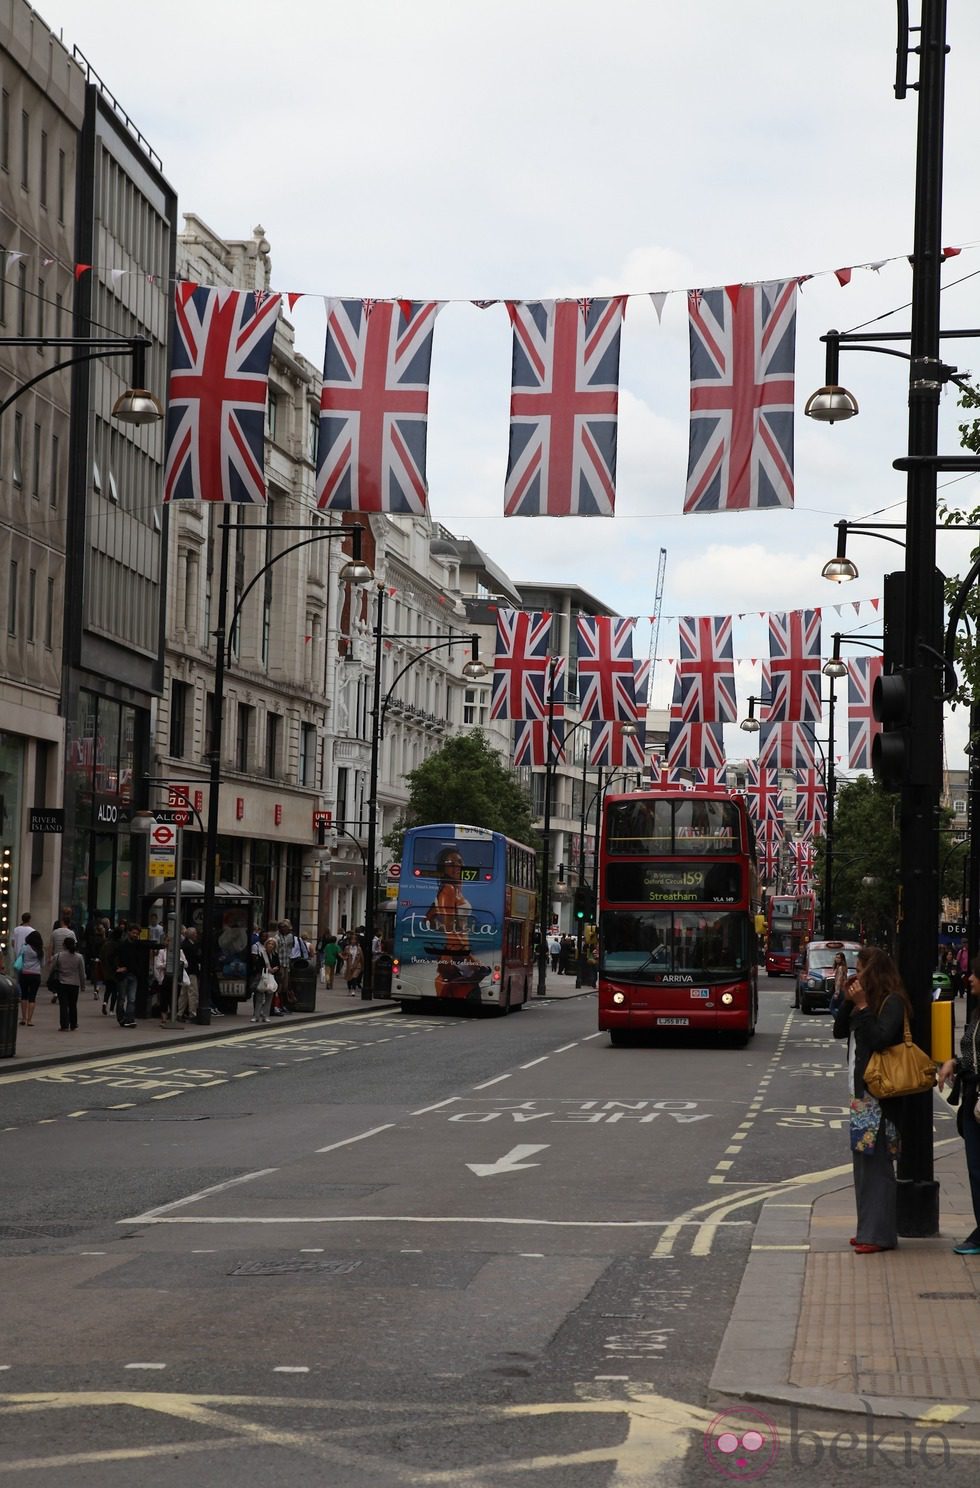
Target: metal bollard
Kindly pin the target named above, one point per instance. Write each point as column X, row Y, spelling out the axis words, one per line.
column 941, row 1042
column 9, row 1014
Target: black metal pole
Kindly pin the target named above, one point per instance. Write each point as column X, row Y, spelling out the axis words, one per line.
column 580, row 924
column 973, row 835
column 544, row 908
column 367, row 983
column 830, row 782
column 918, row 1192
column 209, row 939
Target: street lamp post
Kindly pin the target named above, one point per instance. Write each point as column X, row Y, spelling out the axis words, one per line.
column 473, row 671
column 136, row 405
column 354, row 571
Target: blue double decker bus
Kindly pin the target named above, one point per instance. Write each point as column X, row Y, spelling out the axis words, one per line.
column 464, row 921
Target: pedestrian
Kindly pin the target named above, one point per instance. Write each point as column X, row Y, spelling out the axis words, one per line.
column 69, row 968
column 329, row 956
column 20, row 934
column 353, row 967
column 155, row 930
column 31, row 956
column 187, row 1001
column 964, row 1071
column 566, row 957
column 110, row 959
column 963, row 965
column 554, row 948
column 872, row 1018
column 840, row 982
column 263, row 977
column 285, row 942
column 60, row 933
column 128, row 971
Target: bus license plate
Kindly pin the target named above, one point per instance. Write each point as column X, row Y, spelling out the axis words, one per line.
column 699, row 991
column 675, row 1022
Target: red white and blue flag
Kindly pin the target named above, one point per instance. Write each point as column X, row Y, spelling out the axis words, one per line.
column 374, row 405
column 785, row 746
column 804, row 855
column 794, row 666
column 743, row 357
column 763, row 794
column 706, row 668
column 531, row 741
column 608, row 746
column 767, row 853
column 523, row 668
column 692, row 745
column 219, row 376
column 711, row 779
column 605, row 668
column 563, row 408
column 811, row 796
column 862, row 673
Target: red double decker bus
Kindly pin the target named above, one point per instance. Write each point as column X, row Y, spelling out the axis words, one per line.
column 678, row 895
column 789, row 930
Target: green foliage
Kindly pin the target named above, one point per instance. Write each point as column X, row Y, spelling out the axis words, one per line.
column 466, row 781
column 968, row 637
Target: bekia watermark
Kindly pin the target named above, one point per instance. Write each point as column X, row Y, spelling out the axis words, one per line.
column 742, row 1444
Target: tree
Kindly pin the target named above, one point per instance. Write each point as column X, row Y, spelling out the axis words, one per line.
column 466, row 781
column 866, row 858
column 967, row 649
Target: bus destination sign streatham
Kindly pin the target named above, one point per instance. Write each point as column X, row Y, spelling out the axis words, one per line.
column 673, row 883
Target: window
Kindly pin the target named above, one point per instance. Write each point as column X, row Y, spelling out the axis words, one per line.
column 25, row 149
column 43, row 189
column 40, row 307
column 36, row 464
column 3, row 284
column 31, row 603
column 271, row 414
column 49, row 617
column 62, row 173
column 5, row 131
column 209, row 741
column 273, row 724
column 959, row 808
column 342, row 795
column 475, row 706
column 307, row 754
column 17, row 473
column 22, row 298
column 314, row 432
column 12, row 599
column 179, row 698
column 243, row 736
column 55, row 469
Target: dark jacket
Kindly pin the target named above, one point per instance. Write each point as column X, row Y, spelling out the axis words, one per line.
column 870, row 1033
column 131, row 956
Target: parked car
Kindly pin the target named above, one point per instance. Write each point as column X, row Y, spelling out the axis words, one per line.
column 815, row 976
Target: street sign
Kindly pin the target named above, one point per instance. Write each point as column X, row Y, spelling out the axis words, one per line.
column 394, row 870
column 174, row 816
column 322, row 818
column 46, row 819
column 162, row 834
column 163, row 862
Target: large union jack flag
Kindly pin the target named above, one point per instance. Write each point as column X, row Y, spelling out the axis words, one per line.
column 607, row 745
column 374, row 405
column 706, row 668
column 605, row 668
column 692, row 745
column 862, row 673
column 811, row 796
column 563, row 408
column 767, row 854
column 786, row 746
column 531, row 741
column 743, row 354
column 219, row 375
column 711, row 779
column 794, row 666
column 763, row 794
column 523, row 666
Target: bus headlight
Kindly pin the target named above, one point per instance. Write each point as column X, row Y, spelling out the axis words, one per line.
column 727, row 999
column 619, row 998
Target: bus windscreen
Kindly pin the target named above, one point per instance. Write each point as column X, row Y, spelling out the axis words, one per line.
column 432, row 854
column 664, row 946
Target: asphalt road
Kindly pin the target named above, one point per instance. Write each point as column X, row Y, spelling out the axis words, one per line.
column 403, row 1250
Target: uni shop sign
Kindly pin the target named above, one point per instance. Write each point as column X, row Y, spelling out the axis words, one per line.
column 107, row 815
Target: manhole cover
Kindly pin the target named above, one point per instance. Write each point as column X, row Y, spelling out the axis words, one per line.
column 284, row 1268
column 948, row 1296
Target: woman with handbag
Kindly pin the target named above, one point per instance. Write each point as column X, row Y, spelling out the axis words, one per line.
column 964, row 1074
column 872, row 1018
column 30, row 956
column 265, row 959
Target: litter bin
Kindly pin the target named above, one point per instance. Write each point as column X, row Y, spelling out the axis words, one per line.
column 302, row 988
column 9, row 1011
column 381, row 979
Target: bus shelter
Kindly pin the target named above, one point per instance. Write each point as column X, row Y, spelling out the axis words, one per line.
column 235, row 913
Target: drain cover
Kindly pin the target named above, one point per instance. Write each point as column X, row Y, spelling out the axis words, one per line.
column 285, row 1268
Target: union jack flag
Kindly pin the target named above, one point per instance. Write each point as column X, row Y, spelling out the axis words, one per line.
column 707, row 668
column 811, row 796
column 219, row 375
column 743, row 354
column 522, row 666
column 786, row 746
column 563, row 408
column 605, row 668
column 607, row 745
column 665, row 777
column 711, row 779
column 804, row 855
column 763, row 793
column 794, row 666
column 694, row 746
column 531, row 742
column 374, row 405
column 862, row 673
column 767, row 854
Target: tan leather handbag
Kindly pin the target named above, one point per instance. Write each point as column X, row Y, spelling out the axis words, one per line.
column 902, row 1069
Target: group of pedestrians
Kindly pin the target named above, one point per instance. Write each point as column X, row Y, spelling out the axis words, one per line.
column 345, row 956
column 274, row 955
column 59, row 965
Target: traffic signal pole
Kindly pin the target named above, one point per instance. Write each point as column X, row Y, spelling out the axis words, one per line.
column 918, row 1198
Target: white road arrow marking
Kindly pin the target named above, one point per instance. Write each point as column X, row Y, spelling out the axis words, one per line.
column 509, row 1163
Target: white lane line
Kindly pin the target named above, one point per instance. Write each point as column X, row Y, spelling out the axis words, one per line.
column 563, row 1048
column 531, row 1255
column 290, row 1369
column 204, row 1252
column 91, row 1252
column 533, row 1062
column 589, row 1036
column 123, row 1106
column 427, row 1219
column 169, row 1094
column 437, row 1107
column 144, row 1366
column 6, row 1366
column 202, row 1193
column 73, row 1114
column 312, row 1250
column 361, row 1136
column 495, row 1081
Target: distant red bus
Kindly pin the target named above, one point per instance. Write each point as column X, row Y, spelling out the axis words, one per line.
column 789, row 929
column 678, row 895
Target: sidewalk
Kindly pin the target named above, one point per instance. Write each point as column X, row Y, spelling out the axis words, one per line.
column 896, row 1333
column 43, row 1043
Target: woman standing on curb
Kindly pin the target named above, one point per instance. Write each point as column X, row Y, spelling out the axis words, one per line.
column 964, row 1074
column 872, row 1018
column 70, row 968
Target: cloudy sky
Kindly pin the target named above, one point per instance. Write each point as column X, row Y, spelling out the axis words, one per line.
column 489, row 148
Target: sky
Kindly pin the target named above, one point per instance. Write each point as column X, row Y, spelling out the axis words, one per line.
column 477, row 149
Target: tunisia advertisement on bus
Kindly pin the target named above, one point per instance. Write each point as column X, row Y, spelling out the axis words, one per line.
column 450, row 913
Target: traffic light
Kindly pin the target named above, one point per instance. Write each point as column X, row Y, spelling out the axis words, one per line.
column 584, row 903
column 907, row 705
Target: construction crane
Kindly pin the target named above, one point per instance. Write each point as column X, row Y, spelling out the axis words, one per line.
column 658, row 600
